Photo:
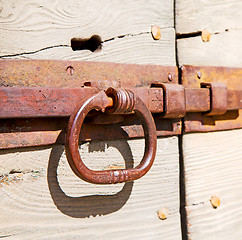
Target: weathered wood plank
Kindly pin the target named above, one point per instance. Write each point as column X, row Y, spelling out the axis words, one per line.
column 42, row 198
column 124, row 27
column 222, row 19
column 137, row 49
column 223, row 49
column 215, row 16
column 213, row 166
column 212, row 161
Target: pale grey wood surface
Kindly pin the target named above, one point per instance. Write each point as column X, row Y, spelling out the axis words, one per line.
column 223, row 19
column 41, row 198
column 224, row 49
column 212, row 161
column 213, row 166
column 124, row 27
column 214, row 15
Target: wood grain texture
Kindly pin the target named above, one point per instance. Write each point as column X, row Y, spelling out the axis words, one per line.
column 212, row 161
column 223, row 19
column 215, row 15
column 213, row 166
column 43, row 30
column 41, row 198
column 223, row 49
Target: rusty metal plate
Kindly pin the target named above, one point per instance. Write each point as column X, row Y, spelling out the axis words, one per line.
column 192, row 77
column 57, row 73
column 50, row 90
column 30, row 132
column 34, row 97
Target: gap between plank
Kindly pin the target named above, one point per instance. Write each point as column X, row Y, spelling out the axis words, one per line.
column 182, row 186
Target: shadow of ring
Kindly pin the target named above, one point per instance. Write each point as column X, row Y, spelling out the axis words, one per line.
column 86, row 206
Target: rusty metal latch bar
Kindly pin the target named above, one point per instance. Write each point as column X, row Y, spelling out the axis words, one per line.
column 38, row 96
column 172, row 100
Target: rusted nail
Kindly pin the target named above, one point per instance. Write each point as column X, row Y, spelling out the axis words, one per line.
column 206, row 35
column 155, row 31
column 215, row 201
column 70, row 70
column 170, row 77
column 163, row 213
column 199, row 75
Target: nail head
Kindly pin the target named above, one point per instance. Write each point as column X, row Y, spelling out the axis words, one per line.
column 70, row 70
column 163, row 213
column 199, row 75
column 155, row 31
column 215, row 201
column 170, row 77
column 206, row 35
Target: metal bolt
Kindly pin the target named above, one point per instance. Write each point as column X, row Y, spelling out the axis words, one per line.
column 215, row 201
column 206, row 35
column 70, row 70
column 170, row 77
column 155, row 31
column 163, row 213
column 199, row 75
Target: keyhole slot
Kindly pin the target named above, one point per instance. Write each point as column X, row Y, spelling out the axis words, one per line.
column 93, row 43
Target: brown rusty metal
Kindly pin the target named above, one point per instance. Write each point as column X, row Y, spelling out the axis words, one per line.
column 30, row 102
column 218, row 98
column 191, row 79
column 41, row 102
column 230, row 76
column 125, row 102
column 197, row 99
column 29, row 132
column 46, row 92
column 55, row 73
column 174, row 101
column 61, row 102
column 198, row 122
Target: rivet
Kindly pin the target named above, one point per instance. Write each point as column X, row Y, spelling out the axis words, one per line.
column 206, row 35
column 163, row 213
column 215, row 201
column 199, row 75
column 155, row 31
column 170, row 77
column 70, row 70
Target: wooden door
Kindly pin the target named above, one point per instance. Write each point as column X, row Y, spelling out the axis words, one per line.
column 211, row 161
column 41, row 198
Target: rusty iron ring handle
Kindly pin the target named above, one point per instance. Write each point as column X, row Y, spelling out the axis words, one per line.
column 124, row 102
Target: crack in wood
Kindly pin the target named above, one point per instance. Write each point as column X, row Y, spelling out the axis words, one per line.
column 199, row 203
column 131, row 35
column 33, row 52
column 199, row 33
column 188, row 35
column 5, row 236
column 125, row 35
column 65, row 45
